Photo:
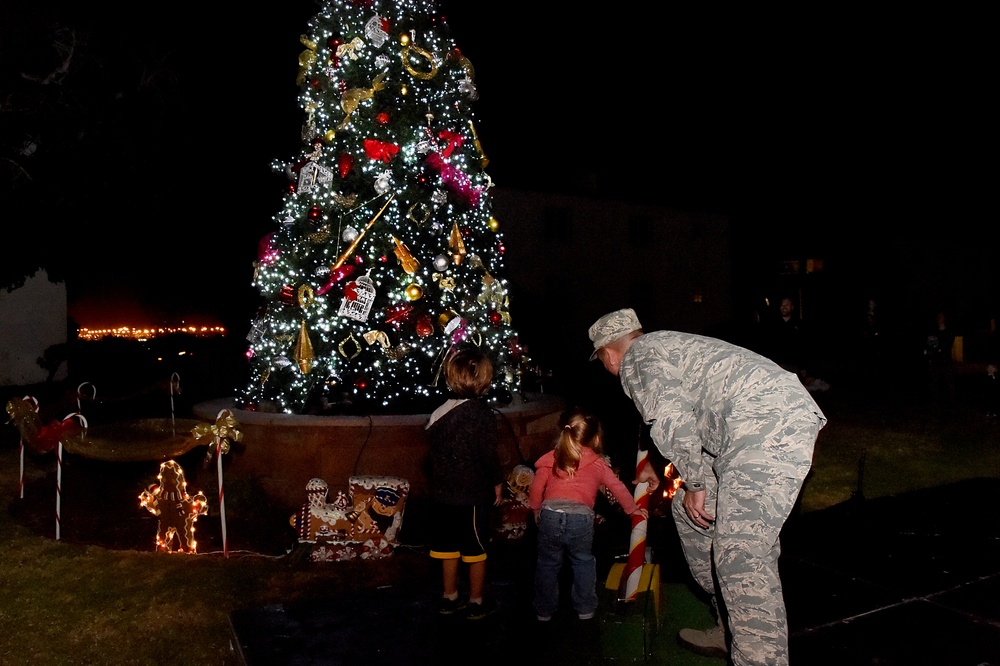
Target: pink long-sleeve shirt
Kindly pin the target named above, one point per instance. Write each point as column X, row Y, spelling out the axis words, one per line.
column 581, row 487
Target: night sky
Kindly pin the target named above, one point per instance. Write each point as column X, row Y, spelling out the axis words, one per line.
column 865, row 138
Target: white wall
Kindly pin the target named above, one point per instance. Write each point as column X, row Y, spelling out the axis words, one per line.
column 32, row 318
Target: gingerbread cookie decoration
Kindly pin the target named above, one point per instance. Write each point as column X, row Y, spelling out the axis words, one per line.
column 178, row 511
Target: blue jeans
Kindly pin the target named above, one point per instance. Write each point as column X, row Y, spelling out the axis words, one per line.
column 570, row 534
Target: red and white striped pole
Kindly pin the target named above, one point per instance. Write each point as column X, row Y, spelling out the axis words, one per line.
column 219, row 444
column 175, row 386
column 79, row 394
column 59, row 466
column 629, row 587
column 34, row 403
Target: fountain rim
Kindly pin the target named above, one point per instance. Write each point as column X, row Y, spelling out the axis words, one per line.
column 524, row 405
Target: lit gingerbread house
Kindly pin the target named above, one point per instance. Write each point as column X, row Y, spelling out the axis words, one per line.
column 363, row 525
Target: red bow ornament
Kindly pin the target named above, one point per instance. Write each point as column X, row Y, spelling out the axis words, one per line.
column 380, row 150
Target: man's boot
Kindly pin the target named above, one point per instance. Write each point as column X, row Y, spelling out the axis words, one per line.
column 709, row 643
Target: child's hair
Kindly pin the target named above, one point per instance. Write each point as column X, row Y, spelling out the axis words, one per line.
column 579, row 429
column 468, row 371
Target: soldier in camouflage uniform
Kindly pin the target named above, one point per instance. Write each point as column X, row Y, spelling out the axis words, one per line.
column 740, row 431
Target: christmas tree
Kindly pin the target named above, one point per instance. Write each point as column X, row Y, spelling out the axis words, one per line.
column 385, row 252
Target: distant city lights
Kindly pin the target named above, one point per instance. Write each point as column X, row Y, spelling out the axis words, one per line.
column 147, row 333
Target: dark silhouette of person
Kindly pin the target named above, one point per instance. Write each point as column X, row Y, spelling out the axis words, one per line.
column 785, row 339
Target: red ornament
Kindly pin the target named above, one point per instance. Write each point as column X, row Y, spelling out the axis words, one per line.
column 382, row 118
column 287, row 295
column 332, row 43
column 315, row 213
column 425, row 326
column 293, row 188
column 345, row 162
column 495, row 318
column 315, row 83
column 335, row 277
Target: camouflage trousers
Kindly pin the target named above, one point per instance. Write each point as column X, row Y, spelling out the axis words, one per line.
column 757, row 481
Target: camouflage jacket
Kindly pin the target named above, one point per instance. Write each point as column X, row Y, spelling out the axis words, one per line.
column 694, row 391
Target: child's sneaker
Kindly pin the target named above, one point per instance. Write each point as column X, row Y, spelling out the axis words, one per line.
column 448, row 606
column 479, row 611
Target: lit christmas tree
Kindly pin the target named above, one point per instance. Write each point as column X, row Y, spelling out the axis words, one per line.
column 386, row 252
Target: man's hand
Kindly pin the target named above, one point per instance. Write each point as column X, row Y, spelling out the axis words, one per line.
column 694, row 506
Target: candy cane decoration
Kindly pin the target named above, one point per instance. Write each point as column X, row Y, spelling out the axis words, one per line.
column 222, row 494
column 224, row 429
column 175, row 385
column 59, row 465
column 628, row 590
column 79, row 392
column 34, row 404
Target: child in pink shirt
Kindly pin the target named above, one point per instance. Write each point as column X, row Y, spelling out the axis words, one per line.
column 562, row 495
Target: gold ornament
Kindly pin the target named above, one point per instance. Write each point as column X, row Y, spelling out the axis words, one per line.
column 351, row 48
column 319, row 236
column 456, row 244
column 414, row 291
column 306, row 59
column 350, row 249
column 446, row 317
column 445, row 282
column 405, row 55
column 493, row 224
column 306, row 297
column 371, row 337
column 419, row 212
column 352, row 98
column 406, row 260
column 483, row 160
column 397, row 352
column 349, row 341
column 328, row 137
column 304, row 350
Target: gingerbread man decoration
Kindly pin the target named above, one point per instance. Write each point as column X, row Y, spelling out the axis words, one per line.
column 178, row 511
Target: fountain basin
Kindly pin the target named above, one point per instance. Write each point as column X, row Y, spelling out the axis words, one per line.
column 282, row 452
column 135, row 440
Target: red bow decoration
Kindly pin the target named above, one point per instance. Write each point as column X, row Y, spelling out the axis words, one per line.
column 380, row 150
column 454, row 140
column 52, row 433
